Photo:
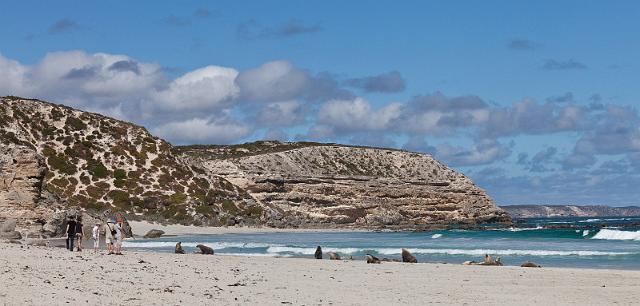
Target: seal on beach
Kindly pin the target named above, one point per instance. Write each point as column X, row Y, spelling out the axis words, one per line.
column 205, row 250
column 333, row 256
column 179, row 249
column 529, row 264
column 372, row 259
column 318, row 254
column 408, row 257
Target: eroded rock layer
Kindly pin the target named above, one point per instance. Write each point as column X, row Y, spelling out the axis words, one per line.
column 309, row 184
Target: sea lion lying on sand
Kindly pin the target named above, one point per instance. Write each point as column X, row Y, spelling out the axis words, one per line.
column 529, row 264
column 372, row 259
column 407, row 257
column 318, row 254
column 205, row 250
column 179, row 249
column 333, row 256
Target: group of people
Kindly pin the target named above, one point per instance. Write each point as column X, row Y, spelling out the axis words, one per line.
column 112, row 231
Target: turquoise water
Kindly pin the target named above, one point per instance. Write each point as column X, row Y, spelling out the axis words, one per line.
column 612, row 242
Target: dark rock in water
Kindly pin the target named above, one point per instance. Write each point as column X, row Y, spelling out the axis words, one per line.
column 205, row 250
column 408, row 257
column 154, row 233
column 179, row 249
column 529, row 264
column 318, row 254
column 372, row 259
column 334, row 256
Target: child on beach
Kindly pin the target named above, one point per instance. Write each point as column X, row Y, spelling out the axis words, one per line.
column 95, row 234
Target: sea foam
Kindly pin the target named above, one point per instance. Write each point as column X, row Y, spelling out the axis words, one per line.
column 608, row 234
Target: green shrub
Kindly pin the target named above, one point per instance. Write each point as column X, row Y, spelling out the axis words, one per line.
column 97, row 169
column 229, row 207
column 75, row 124
column 206, row 210
column 61, row 163
column 178, row 198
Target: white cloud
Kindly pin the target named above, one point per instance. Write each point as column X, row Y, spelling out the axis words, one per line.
column 211, row 87
column 286, row 113
column 80, row 79
column 203, row 130
column 273, row 81
column 357, row 115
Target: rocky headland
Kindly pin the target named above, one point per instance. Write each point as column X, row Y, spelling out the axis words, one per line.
column 57, row 161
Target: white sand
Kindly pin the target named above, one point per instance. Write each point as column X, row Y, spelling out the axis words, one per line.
column 54, row 276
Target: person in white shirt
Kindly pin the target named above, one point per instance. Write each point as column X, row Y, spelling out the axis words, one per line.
column 95, row 235
column 118, row 239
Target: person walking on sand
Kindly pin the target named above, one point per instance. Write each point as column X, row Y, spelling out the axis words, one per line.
column 71, row 232
column 95, row 235
column 79, row 233
column 109, row 232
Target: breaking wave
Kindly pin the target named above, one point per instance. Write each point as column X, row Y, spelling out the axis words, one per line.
column 474, row 252
column 608, row 234
column 214, row 245
column 436, row 236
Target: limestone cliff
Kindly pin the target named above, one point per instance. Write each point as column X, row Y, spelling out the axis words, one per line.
column 55, row 160
column 320, row 185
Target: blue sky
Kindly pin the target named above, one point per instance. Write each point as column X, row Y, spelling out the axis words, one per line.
column 537, row 102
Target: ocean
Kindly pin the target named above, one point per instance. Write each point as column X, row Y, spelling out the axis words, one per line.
column 608, row 242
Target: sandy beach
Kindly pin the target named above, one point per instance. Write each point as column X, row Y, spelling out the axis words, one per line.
column 53, row 276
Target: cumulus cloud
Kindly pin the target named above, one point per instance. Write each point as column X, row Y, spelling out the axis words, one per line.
column 286, row 113
column 82, row 79
column 211, row 87
column 529, row 117
column 541, row 161
column 203, row 130
column 273, row 81
column 386, row 82
column 552, row 64
column 357, row 115
column 483, row 152
column 440, row 115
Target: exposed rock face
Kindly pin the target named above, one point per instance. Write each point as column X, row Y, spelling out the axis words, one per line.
column 310, row 184
column 56, row 162
column 545, row 211
column 22, row 196
column 99, row 163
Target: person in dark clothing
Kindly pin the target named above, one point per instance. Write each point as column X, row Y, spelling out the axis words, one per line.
column 79, row 234
column 71, row 232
